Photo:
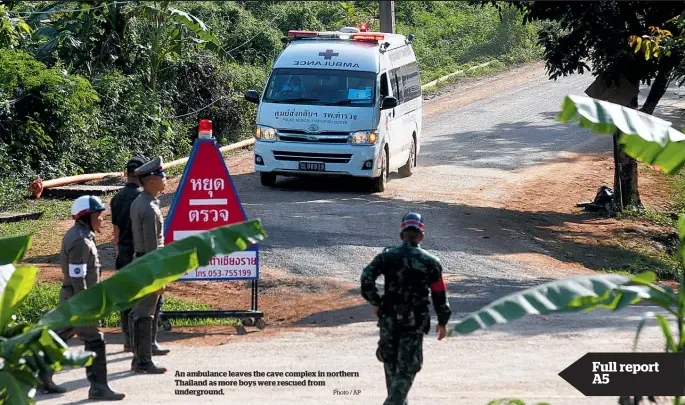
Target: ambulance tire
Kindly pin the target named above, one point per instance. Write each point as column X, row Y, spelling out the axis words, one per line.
column 267, row 179
column 378, row 183
column 408, row 169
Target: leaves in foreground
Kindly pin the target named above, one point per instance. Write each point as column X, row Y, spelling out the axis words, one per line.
column 26, row 350
column 643, row 136
column 579, row 293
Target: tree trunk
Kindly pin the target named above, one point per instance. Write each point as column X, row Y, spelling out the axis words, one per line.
column 627, row 188
column 627, row 167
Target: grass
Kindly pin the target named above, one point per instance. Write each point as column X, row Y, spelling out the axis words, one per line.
column 53, row 211
column 493, row 68
column 45, row 296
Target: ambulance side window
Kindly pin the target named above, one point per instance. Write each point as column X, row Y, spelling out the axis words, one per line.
column 411, row 82
column 395, row 86
column 384, row 86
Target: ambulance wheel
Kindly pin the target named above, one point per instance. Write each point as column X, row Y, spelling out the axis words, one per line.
column 248, row 322
column 267, row 179
column 378, row 183
column 260, row 324
column 408, row 169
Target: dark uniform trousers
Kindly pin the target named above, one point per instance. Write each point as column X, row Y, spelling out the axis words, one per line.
column 124, row 257
column 400, row 349
column 148, row 307
column 89, row 333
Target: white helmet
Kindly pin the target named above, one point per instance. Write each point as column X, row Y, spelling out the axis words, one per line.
column 86, row 204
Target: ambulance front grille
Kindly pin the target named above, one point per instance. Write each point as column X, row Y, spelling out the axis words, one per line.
column 312, row 157
column 323, row 137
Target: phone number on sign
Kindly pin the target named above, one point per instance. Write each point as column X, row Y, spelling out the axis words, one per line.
column 224, row 273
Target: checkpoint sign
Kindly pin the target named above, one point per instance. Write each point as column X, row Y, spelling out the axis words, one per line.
column 207, row 199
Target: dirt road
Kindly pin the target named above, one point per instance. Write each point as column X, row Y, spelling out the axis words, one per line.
column 483, row 143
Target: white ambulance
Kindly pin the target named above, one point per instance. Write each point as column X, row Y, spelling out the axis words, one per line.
column 340, row 103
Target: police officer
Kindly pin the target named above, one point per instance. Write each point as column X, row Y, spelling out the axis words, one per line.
column 123, row 240
column 403, row 313
column 147, row 226
column 81, row 269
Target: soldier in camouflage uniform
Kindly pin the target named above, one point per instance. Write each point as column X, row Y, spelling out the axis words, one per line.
column 403, row 311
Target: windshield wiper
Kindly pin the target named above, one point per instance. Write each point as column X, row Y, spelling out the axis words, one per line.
column 349, row 102
column 293, row 100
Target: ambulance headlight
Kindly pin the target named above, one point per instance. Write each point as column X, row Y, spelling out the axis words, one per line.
column 363, row 138
column 263, row 133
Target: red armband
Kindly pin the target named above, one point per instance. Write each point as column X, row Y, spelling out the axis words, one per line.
column 438, row 286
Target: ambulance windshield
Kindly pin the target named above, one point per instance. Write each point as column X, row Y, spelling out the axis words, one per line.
column 321, row 87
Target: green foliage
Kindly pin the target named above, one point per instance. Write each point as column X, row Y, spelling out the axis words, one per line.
column 27, row 349
column 449, row 34
column 49, row 117
column 598, row 32
column 12, row 30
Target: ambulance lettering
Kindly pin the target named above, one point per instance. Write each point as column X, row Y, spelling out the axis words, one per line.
column 325, row 63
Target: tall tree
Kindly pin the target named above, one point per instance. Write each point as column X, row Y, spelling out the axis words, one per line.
column 598, row 33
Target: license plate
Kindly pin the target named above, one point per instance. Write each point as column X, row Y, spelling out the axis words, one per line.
column 316, row 167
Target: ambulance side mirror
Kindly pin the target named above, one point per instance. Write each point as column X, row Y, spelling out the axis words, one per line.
column 252, row 96
column 388, row 103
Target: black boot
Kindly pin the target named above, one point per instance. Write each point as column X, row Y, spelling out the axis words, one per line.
column 97, row 374
column 48, row 386
column 157, row 350
column 125, row 329
column 142, row 361
column 66, row 334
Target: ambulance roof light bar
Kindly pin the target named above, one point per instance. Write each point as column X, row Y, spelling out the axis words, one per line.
column 369, row 36
column 366, row 36
column 302, row 34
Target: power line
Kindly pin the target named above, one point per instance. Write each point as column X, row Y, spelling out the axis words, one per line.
column 200, row 109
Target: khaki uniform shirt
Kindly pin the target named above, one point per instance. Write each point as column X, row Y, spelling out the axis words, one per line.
column 147, row 224
column 79, row 258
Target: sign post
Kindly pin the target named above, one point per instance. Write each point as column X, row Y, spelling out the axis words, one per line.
column 206, row 199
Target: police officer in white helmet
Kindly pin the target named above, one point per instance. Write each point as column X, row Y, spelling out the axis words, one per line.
column 81, row 269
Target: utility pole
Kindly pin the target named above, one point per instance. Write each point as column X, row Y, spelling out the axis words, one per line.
column 386, row 13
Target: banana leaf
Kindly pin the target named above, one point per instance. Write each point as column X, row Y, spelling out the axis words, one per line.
column 17, row 387
column 14, row 248
column 150, row 273
column 14, row 290
column 574, row 294
column 643, row 136
column 25, row 355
